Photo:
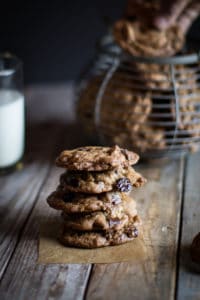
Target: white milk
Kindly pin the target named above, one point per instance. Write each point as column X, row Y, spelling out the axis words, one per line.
column 11, row 127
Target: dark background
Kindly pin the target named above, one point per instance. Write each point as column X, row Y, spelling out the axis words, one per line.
column 55, row 39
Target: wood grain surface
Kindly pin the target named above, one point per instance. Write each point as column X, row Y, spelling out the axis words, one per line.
column 159, row 205
column 168, row 205
column 189, row 272
column 42, row 281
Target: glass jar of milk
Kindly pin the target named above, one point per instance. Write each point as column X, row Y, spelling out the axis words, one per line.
column 12, row 117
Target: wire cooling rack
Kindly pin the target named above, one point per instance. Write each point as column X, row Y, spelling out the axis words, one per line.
column 163, row 94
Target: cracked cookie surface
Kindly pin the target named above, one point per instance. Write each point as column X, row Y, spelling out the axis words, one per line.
column 139, row 40
column 93, row 158
column 116, row 218
column 98, row 221
column 71, row 203
column 99, row 239
column 100, row 182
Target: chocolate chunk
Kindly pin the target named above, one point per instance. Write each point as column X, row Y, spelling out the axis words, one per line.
column 72, row 181
column 135, row 232
column 68, row 197
column 116, row 199
column 113, row 222
column 84, row 176
column 124, row 185
column 132, row 232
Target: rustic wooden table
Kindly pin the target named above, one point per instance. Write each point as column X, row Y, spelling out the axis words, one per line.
column 168, row 205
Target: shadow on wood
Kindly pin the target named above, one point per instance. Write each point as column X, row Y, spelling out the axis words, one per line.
column 42, row 138
column 187, row 262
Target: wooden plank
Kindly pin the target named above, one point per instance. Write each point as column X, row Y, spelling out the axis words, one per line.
column 159, row 206
column 189, row 273
column 16, row 202
column 25, row 279
column 19, row 190
column 51, row 127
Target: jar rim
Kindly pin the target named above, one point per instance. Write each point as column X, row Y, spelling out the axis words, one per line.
column 108, row 46
column 12, row 59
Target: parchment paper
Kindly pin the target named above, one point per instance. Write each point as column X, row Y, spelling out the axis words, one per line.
column 51, row 251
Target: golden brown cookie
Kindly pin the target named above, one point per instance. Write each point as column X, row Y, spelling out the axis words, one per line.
column 122, row 106
column 121, row 179
column 139, row 40
column 71, row 203
column 119, row 216
column 116, row 220
column 83, row 203
column 146, row 138
column 93, row 158
column 125, row 109
column 188, row 96
column 99, row 239
column 156, row 77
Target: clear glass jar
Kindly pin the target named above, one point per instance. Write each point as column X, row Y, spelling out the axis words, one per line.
column 12, row 115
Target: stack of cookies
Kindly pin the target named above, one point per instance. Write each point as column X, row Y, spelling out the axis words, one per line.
column 93, row 196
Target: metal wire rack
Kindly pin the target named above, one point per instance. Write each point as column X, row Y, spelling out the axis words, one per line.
column 150, row 105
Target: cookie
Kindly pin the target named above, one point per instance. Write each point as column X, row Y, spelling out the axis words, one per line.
column 145, row 139
column 121, row 179
column 122, row 108
column 98, row 239
column 139, row 40
column 116, row 218
column 125, row 110
column 155, row 77
column 98, row 220
column 188, row 96
column 71, row 203
column 96, row 158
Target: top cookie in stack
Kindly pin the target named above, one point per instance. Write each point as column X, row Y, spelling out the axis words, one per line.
column 96, row 158
column 93, row 195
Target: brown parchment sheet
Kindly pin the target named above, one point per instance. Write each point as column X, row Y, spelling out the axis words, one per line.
column 52, row 252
